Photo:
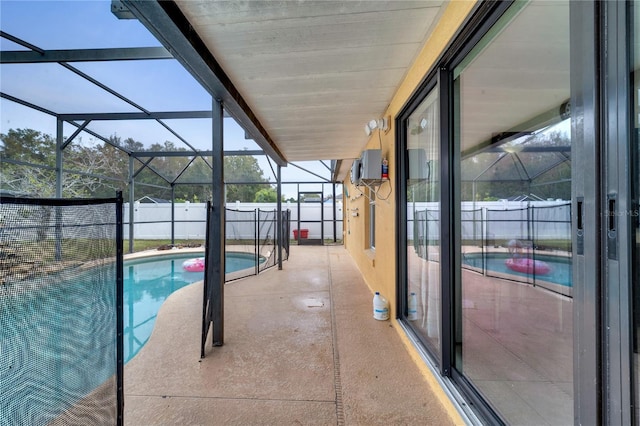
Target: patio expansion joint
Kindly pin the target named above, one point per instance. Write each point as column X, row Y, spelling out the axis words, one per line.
column 277, row 293
column 337, row 381
column 231, row 398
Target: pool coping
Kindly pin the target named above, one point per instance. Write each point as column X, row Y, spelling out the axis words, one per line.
column 175, row 251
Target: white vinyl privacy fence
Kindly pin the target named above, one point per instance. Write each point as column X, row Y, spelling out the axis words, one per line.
column 153, row 221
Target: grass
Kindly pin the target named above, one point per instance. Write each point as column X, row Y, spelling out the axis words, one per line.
column 142, row 245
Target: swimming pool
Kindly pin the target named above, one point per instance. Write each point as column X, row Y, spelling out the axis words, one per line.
column 149, row 281
column 52, row 351
column 561, row 268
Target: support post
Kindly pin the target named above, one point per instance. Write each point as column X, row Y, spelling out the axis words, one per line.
column 335, row 230
column 120, row 310
column 59, row 177
column 215, row 260
column 132, row 203
column 279, row 219
column 173, row 214
column 59, row 157
column 257, row 241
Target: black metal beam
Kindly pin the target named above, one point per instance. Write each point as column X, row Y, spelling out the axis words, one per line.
column 325, row 180
column 20, row 42
column 167, row 23
column 135, row 115
column 76, row 133
column 273, row 171
column 27, row 104
column 84, row 55
column 147, row 154
column 216, row 256
column 536, row 148
column 244, row 152
column 144, row 154
column 336, row 170
column 102, row 138
column 279, row 217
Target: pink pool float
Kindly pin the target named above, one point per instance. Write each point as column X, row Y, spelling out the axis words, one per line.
column 193, row 265
column 528, row 266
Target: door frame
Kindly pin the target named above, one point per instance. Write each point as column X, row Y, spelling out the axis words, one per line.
column 300, row 221
column 618, row 207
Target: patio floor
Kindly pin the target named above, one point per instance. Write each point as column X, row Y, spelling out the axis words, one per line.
column 301, row 347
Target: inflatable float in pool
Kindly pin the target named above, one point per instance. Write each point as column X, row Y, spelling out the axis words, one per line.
column 194, row 265
column 528, row 266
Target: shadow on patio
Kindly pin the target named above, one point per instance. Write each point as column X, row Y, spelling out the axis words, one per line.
column 301, row 347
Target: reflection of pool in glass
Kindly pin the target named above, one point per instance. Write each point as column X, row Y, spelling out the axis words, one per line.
column 561, row 270
column 147, row 284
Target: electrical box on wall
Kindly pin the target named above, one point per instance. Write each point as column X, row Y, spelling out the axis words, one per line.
column 371, row 164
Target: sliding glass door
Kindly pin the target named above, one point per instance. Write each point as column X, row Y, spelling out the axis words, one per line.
column 620, row 191
column 630, row 68
column 513, row 141
column 423, row 292
column 519, row 216
column 634, row 96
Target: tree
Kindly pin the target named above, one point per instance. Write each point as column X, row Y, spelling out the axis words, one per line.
column 32, row 147
column 243, row 168
column 101, row 169
column 266, row 195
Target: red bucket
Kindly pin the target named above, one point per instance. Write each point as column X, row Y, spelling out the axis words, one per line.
column 304, row 233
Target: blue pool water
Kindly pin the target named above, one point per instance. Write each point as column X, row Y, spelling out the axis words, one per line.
column 561, row 269
column 148, row 283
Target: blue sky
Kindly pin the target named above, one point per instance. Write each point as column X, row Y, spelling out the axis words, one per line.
column 160, row 85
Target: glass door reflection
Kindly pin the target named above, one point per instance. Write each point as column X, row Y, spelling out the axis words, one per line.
column 514, row 304
column 423, row 222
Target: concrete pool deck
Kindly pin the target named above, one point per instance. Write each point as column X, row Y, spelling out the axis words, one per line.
column 300, row 347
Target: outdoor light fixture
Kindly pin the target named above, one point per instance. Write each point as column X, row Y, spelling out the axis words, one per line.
column 381, row 123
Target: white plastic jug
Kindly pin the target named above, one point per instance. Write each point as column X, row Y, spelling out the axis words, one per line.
column 412, row 315
column 380, row 307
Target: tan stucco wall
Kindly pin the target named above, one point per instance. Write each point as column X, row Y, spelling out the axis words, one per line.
column 379, row 267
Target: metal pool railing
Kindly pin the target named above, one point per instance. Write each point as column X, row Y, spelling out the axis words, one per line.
column 252, row 231
column 255, row 231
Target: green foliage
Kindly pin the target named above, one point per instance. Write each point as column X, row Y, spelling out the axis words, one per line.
column 101, row 169
column 243, row 168
column 31, row 147
column 266, row 195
